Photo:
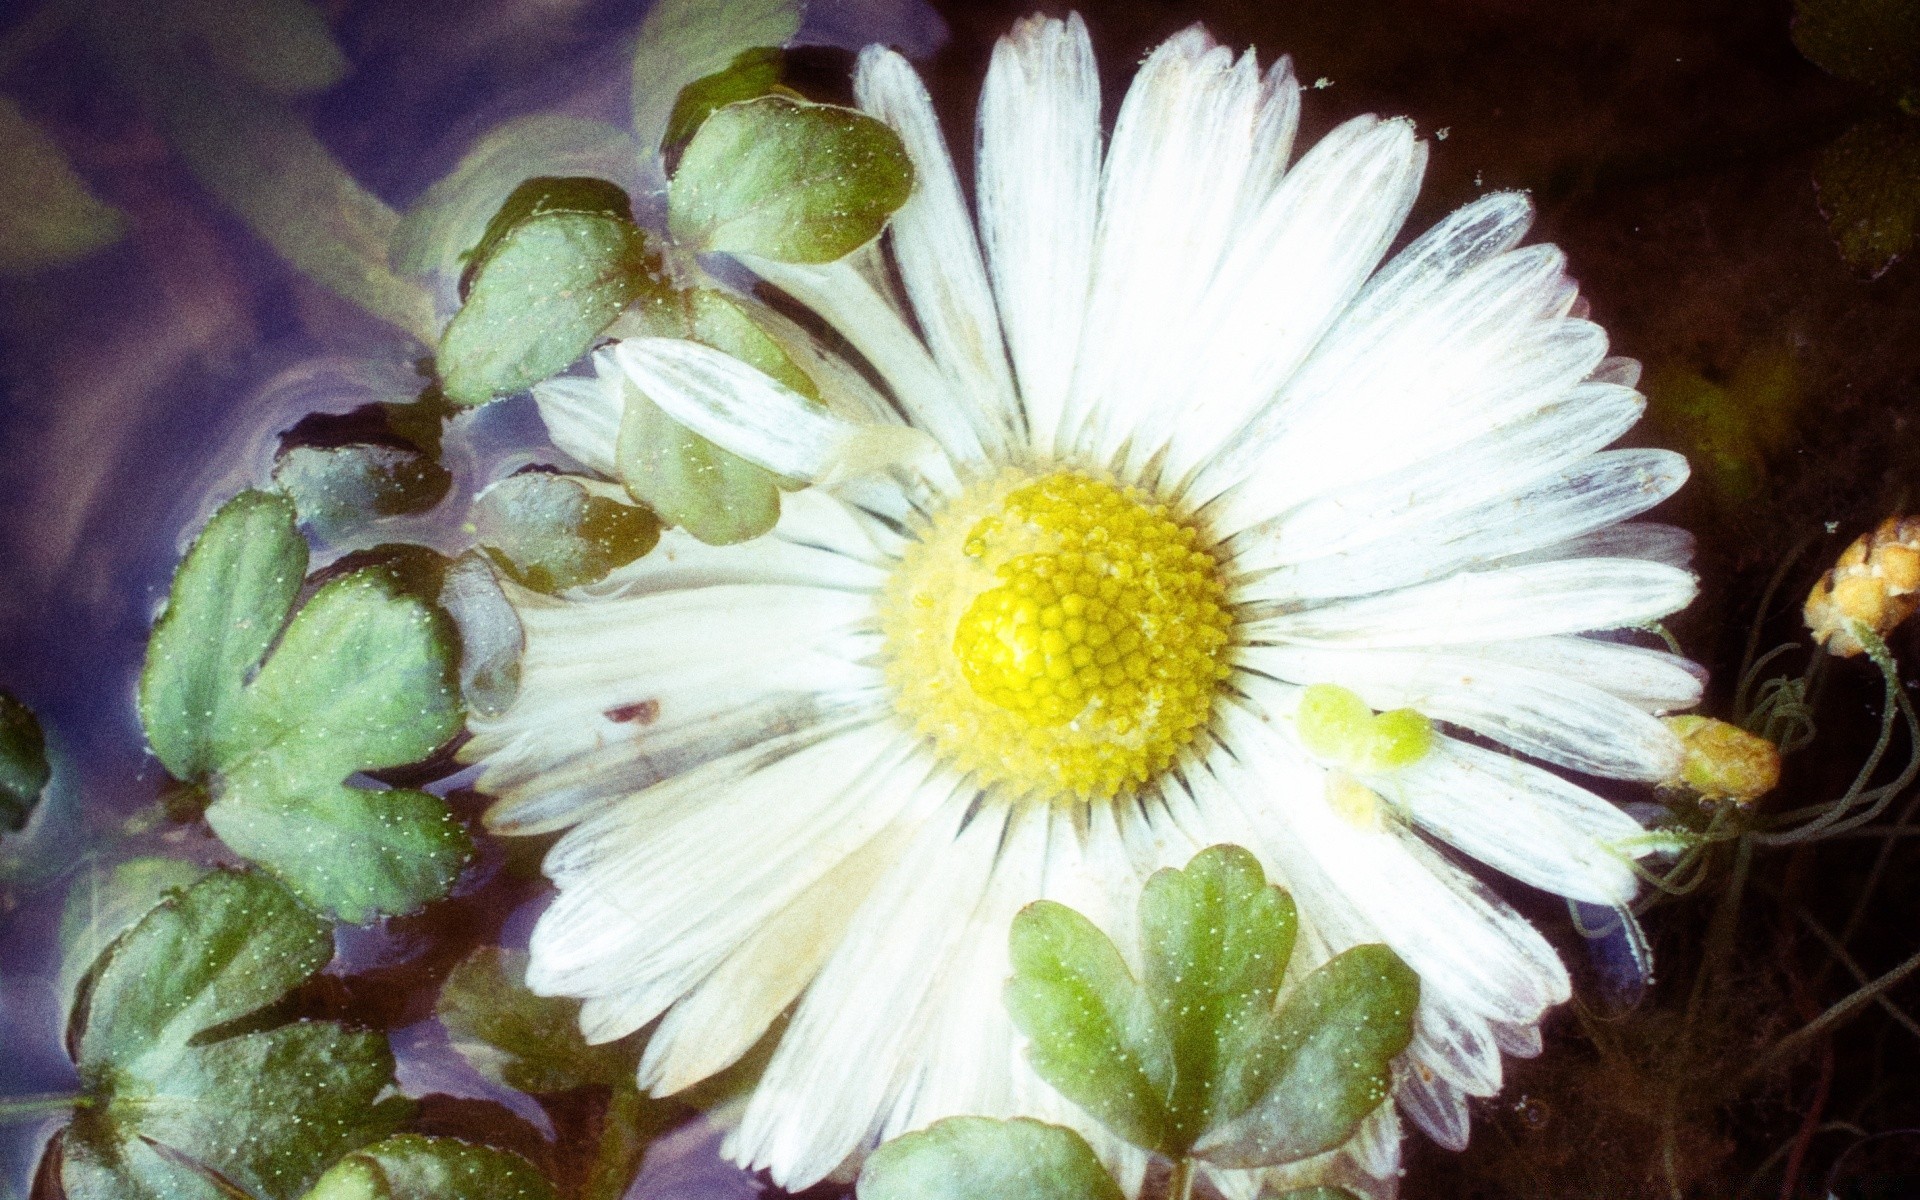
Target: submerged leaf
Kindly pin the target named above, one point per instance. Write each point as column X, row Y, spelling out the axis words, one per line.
column 556, row 266
column 339, row 489
column 491, row 636
column 449, row 219
column 552, row 532
column 1869, row 183
column 361, row 679
column 974, row 1158
column 24, row 769
column 1872, row 42
column 411, row 1167
column 527, row 1042
column 180, row 1092
column 47, row 215
column 788, row 180
column 683, row 41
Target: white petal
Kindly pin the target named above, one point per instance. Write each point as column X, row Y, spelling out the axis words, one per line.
column 1650, row 679
column 1503, row 463
column 848, row 300
column 740, row 409
column 1481, row 606
column 657, row 892
column 1521, row 1041
column 934, row 243
column 1436, row 1106
column 616, row 695
column 1288, row 275
column 1273, row 134
column 582, row 416
column 1551, row 717
column 1457, row 1046
column 1039, row 178
column 1180, row 152
column 822, row 1095
column 731, row 1009
column 1636, row 539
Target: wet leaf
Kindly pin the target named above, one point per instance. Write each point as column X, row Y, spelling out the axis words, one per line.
column 47, row 214
column 411, row 1167
column 1872, row 42
column 1196, row 1059
column 552, row 271
column 448, row 220
column 491, row 636
column 974, row 1158
column 1216, row 941
column 552, row 532
column 24, row 769
column 186, row 1083
column 361, row 679
column 1869, row 183
column 683, row 41
column 103, row 904
column 788, row 180
column 281, row 46
column 752, row 74
column 527, row 1042
column 1332, row 1045
column 338, row 490
column 1094, row 1033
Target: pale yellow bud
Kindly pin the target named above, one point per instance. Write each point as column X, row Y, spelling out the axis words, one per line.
column 1876, row 582
column 1722, row 761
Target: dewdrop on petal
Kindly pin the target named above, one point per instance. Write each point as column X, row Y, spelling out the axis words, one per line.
column 1723, row 761
column 1873, row 583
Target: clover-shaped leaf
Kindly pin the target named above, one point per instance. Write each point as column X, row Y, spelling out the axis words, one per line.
column 551, row 532
column 685, row 41
column 974, row 1158
column 190, row 1089
column 362, row 678
column 787, row 180
column 1195, row 1058
column 411, row 1167
column 554, row 268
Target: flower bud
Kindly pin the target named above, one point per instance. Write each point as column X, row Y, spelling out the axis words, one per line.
column 1873, row 583
column 1723, row 762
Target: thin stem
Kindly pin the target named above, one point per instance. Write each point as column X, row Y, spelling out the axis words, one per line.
column 1792, row 1046
column 1721, row 930
column 1180, row 1186
column 25, row 1108
column 1838, row 949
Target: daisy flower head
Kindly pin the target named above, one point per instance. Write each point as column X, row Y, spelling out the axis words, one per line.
column 1154, row 507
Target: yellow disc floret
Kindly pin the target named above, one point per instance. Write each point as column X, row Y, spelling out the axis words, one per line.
column 1060, row 636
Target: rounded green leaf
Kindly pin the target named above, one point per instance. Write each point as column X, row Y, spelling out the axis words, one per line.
column 549, row 275
column 552, row 532
column 528, row 1042
column 338, row 490
column 412, row 1167
column 1869, row 184
column 715, row 495
column 103, row 902
column 227, row 604
column 753, row 73
column 788, row 180
column 683, row 41
column 24, row 769
column 1333, row 1044
column 974, row 1158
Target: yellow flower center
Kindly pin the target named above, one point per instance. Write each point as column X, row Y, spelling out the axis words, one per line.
column 1060, row 636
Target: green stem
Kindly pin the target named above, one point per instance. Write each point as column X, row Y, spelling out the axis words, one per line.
column 25, row 1108
column 1788, row 1048
column 1180, row 1186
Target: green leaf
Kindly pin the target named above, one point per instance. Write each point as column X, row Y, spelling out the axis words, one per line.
column 102, row 904
column 713, row 494
column 229, row 599
column 683, row 41
column 283, row 46
column 491, row 636
column 578, row 195
column 24, row 769
column 362, row 679
column 724, row 323
column 974, row 1158
column 412, row 1167
column 787, row 180
column 1333, row 1042
column 548, row 276
column 450, row 218
column 1872, row 42
column 1094, row 1034
column 552, row 532
column 339, row 490
column 47, row 215
column 180, row 1091
column 527, row 1042
column 1869, row 184
column 752, row 74
column 1216, row 940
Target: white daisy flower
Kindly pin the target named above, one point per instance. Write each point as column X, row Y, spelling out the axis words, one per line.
column 1173, row 449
